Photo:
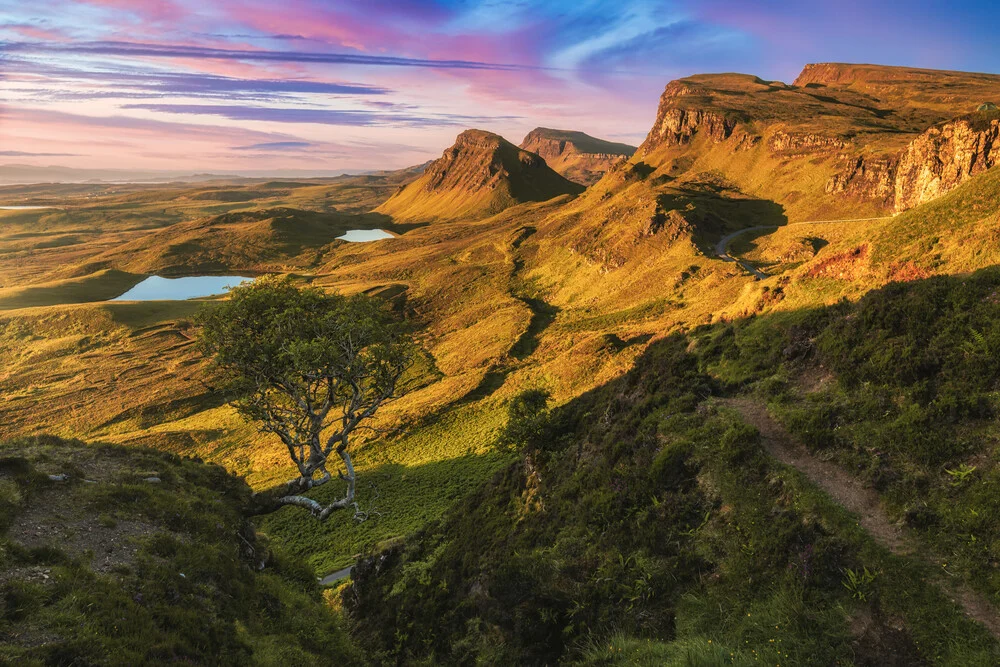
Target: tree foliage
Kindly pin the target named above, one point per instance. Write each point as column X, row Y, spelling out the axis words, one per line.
column 527, row 424
column 309, row 367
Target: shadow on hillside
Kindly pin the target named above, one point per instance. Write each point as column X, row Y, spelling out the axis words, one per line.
column 542, row 315
column 616, row 474
column 713, row 213
column 397, row 500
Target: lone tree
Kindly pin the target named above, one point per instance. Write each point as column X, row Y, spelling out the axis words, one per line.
column 311, row 368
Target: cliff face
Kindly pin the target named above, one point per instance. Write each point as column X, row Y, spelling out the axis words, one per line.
column 933, row 164
column 481, row 174
column 867, row 177
column 678, row 119
column 843, row 141
column 579, row 157
column 943, row 158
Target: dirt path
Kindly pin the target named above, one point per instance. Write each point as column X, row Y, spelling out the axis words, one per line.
column 721, row 248
column 864, row 502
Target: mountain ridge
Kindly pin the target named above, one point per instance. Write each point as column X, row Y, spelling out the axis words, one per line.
column 578, row 156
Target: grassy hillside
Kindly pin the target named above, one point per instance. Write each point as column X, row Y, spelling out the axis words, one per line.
column 646, row 525
column 114, row 568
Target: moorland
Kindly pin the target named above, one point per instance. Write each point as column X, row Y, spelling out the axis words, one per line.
column 768, row 337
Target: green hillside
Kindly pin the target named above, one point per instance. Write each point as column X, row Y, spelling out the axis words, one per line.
column 142, row 557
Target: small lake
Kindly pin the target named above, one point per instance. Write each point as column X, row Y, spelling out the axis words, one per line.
column 365, row 235
column 156, row 288
column 23, row 208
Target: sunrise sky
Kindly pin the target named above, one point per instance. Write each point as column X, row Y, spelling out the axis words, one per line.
column 230, row 85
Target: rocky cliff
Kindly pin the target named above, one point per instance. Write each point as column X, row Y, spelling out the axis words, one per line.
column 679, row 117
column 480, row 175
column 892, row 137
column 866, row 177
column 934, row 163
column 579, row 157
column 944, row 157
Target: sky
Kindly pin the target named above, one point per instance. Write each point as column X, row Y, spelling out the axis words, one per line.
column 233, row 86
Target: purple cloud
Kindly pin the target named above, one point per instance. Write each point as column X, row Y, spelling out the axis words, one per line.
column 130, row 49
column 156, row 83
column 347, row 117
column 275, row 146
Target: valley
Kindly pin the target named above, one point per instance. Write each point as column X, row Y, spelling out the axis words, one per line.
column 769, row 336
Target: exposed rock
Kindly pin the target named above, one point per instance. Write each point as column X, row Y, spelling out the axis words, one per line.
column 944, row 157
column 746, row 141
column 677, row 122
column 579, row 157
column 783, row 142
column 678, row 126
column 936, row 162
column 870, row 177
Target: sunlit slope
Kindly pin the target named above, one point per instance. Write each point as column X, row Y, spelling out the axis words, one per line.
column 480, row 175
column 262, row 240
column 828, row 146
column 818, row 264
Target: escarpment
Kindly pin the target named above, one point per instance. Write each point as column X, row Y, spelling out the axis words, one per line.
column 577, row 156
column 933, row 164
column 944, row 157
column 875, row 138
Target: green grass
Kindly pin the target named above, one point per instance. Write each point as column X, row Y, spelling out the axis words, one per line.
column 910, row 407
column 664, row 520
column 130, row 572
column 410, row 481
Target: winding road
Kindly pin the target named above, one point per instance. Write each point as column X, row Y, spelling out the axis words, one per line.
column 334, row 577
column 723, row 244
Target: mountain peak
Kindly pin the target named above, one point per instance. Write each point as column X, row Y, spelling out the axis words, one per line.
column 479, row 175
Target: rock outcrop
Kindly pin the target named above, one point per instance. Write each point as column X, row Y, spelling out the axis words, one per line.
column 480, row 175
column 944, row 157
column 933, row 164
column 783, row 142
column 867, row 177
column 678, row 119
column 579, row 157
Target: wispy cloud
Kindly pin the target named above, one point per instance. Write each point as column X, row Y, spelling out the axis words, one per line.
column 135, row 78
column 346, row 117
column 132, row 49
column 276, row 146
